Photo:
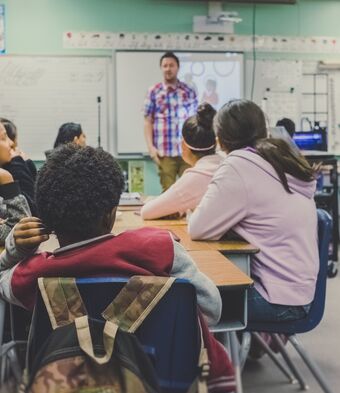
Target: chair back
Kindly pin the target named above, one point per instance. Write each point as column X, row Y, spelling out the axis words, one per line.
column 169, row 335
column 316, row 311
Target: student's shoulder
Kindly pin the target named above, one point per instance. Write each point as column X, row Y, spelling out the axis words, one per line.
column 233, row 165
column 146, row 234
column 240, row 158
column 147, row 241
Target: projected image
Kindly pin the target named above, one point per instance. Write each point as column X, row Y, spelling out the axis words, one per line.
column 217, row 77
column 216, row 80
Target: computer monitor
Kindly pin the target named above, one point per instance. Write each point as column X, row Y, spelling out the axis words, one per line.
column 311, row 140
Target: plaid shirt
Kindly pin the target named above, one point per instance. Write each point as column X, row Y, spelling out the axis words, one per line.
column 169, row 107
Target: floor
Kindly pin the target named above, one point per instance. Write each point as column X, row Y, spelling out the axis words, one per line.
column 323, row 344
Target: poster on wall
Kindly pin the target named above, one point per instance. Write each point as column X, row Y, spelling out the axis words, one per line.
column 2, row 29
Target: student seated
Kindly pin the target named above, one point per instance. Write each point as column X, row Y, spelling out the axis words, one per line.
column 77, row 194
column 199, row 151
column 20, row 171
column 69, row 133
column 12, row 134
column 13, row 205
column 264, row 192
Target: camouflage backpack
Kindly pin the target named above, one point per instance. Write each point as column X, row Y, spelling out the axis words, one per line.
column 86, row 355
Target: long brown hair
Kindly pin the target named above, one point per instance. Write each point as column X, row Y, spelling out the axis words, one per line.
column 241, row 123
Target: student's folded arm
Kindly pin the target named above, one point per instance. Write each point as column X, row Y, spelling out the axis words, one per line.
column 6, row 287
column 169, row 202
column 223, row 206
column 161, row 206
column 208, row 296
column 16, row 207
column 12, row 254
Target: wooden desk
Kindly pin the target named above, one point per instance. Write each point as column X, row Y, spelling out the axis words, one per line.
column 131, row 220
column 220, row 269
column 239, row 252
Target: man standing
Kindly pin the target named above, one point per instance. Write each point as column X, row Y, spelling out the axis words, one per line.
column 168, row 104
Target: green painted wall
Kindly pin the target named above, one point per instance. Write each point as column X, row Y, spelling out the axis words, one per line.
column 35, row 27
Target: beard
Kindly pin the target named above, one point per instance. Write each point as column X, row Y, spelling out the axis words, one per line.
column 170, row 78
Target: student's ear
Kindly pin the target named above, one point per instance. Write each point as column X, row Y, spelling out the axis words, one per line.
column 111, row 218
column 108, row 221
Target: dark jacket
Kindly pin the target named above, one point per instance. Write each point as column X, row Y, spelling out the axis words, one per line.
column 22, row 173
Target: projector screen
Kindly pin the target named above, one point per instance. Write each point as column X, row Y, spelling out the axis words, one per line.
column 217, row 77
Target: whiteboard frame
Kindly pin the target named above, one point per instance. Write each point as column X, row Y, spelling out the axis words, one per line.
column 109, row 105
column 115, row 98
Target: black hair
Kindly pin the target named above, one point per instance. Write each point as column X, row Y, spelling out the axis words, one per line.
column 198, row 130
column 241, row 123
column 169, row 55
column 76, row 189
column 10, row 128
column 288, row 124
column 67, row 132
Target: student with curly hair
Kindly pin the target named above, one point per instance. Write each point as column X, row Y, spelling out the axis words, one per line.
column 199, row 151
column 77, row 194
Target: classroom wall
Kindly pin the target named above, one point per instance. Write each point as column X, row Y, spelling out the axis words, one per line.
column 36, row 27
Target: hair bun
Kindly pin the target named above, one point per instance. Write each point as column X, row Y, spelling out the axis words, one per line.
column 205, row 115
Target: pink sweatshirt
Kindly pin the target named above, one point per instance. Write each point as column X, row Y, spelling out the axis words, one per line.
column 247, row 196
column 186, row 193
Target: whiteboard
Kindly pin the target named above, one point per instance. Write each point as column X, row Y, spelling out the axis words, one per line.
column 136, row 71
column 40, row 93
column 277, row 88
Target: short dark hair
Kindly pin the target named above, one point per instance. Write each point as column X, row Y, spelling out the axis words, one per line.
column 288, row 124
column 10, row 128
column 169, row 55
column 76, row 188
column 67, row 132
column 198, row 130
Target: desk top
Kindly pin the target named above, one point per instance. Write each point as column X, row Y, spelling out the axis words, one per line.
column 219, row 269
column 129, row 220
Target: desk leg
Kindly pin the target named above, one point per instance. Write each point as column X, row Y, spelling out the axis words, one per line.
column 242, row 261
column 234, row 349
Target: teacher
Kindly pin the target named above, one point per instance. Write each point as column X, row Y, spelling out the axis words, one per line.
column 167, row 105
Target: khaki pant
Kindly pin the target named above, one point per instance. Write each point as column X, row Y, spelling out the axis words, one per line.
column 169, row 169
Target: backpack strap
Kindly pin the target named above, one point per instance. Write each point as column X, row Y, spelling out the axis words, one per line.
column 85, row 340
column 199, row 384
column 136, row 300
column 62, row 300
